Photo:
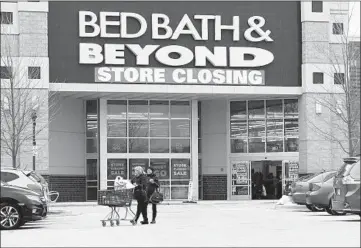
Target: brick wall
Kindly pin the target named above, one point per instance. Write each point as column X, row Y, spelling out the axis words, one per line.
column 214, row 187
column 70, row 188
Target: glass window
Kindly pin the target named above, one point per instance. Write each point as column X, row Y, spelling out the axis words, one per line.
column 256, row 145
column 291, row 108
column 8, row 177
column 179, row 192
column 34, row 72
column 339, row 78
column 317, row 78
column 159, row 145
column 274, row 144
column 239, row 110
column 117, row 145
column 239, row 145
column 238, row 128
column 117, row 109
column 5, row 72
column 91, row 145
column 181, row 146
column 138, row 128
column 92, row 194
column 291, row 144
column 134, row 162
column 274, row 108
column 138, row 146
column 291, row 127
column 91, row 169
column 180, row 109
column 117, row 167
column 161, row 168
column 275, row 128
column 117, row 128
column 256, row 109
column 91, row 128
column 180, row 128
column 337, row 28
column 159, row 128
column 180, row 169
column 257, row 128
column 159, row 109
column 92, row 109
column 6, row 17
column 317, row 6
column 138, row 109
column 355, row 171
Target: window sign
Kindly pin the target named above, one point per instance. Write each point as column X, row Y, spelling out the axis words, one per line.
column 117, row 167
column 137, row 162
column 180, row 169
column 161, row 168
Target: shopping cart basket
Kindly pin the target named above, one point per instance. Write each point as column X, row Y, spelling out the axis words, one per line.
column 116, row 199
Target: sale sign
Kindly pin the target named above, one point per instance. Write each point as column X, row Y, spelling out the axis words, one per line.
column 180, row 169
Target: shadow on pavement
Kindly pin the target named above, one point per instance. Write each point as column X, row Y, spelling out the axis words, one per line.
column 349, row 220
column 30, row 227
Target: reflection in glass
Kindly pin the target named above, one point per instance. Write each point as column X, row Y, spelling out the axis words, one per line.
column 274, row 109
column 275, row 128
column 116, row 128
column 239, row 110
column 134, row 162
column 91, row 128
column 291, row 108
column 91, row 169
column 256, row 128
column 92, row 109
column 159, row 145
column 138, row 146
column 180, row 128
column 256, row 109
column 179, row 192
column 239, row 145
column 180, row 109
column 291, row 127
column 92, row 194
column 138, row 109
column 138, row 128
column 238, row 128
column 159, row 109
column 274, row 144
column 165, row 190
column 180, row 146
column 159, row 128
column 117, row 145
column 91, row 145
column 256, row 145
column 291, row 144
column 240, row 190
column 117, row 109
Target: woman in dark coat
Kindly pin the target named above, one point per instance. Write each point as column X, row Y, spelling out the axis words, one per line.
column 153, row 184
column 140, row 182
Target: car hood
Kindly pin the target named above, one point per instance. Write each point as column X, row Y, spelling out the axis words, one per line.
column 25, row 190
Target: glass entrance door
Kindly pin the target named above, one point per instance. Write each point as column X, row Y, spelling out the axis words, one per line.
column 240, row 180
column 290, row 173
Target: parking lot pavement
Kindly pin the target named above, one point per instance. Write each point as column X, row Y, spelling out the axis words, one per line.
column 242, row 224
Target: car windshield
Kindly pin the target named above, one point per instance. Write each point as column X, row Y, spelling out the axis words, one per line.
column 312, row 176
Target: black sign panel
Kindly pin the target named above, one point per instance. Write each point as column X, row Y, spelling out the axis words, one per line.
column 117, row 167
column 282, row 19
column 180, row 169
column 144, row 163
column 161, row 168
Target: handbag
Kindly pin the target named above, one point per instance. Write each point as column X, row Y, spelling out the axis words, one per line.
column 156, row 197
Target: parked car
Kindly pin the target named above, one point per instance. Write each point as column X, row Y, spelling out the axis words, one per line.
column 19, row 205
column 347, row 187
column 300, row 188
column 25, row 179
column 321, row 194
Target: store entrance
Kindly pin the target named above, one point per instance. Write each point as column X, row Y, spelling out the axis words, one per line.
column 266, row 177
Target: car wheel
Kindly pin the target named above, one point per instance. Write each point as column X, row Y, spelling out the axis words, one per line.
column 329, row 211
column 310, row 207
column 333, row 212
column 10, row 216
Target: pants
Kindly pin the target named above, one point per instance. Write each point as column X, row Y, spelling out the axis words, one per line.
column 154, row 211
column 141, row 208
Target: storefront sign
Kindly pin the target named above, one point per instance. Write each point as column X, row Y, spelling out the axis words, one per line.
column 144, row 163
column 180, row 169
column 161, row 168
column 220, row 43
column 117, row 167
column 293, row 169
column 240, row 173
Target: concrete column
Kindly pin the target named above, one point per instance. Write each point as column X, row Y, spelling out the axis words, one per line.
column 103, row 143
column 194, row 151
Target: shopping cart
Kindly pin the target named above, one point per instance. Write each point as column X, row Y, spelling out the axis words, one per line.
column 116, row 199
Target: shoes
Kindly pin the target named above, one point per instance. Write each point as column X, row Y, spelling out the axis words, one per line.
column 134, row 222
column 153, row 222
column 144, row 222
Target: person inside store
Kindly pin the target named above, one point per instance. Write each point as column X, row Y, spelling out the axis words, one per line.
column 140, row 182
column 153, row 184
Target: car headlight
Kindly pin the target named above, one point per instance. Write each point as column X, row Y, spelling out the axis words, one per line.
column 33, row 198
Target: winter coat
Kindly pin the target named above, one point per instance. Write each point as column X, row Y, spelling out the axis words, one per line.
column 151, row 187
column 140, row 189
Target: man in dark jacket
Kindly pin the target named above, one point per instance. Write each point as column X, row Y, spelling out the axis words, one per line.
column 153, row 184
column 140, row 183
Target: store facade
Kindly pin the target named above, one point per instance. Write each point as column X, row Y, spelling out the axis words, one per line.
column 211, row 93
